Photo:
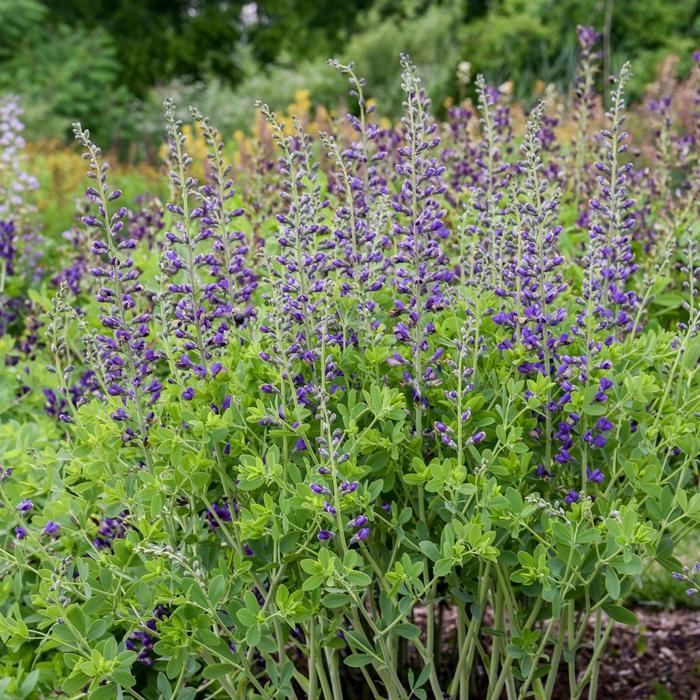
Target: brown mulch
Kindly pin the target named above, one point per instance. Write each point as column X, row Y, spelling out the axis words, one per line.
column 662, row 653
column 658, row 659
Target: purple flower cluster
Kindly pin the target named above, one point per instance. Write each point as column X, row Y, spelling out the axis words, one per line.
column 422, row 272
column 142, row 641
column 128, row 359
column 235, row 281
column 609, row 261
column 110, row 529
column 360, row 241
column 185, row 259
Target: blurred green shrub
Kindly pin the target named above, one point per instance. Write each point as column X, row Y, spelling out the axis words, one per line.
column 62, row 73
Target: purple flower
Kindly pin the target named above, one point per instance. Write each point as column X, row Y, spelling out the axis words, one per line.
column 478, row 437
column 595, row 475
column 348, row 487
column 20, row 533
column 325, row 535
column 111, row 529
column 605, row 383
column 604, row 424
column 188, row 394
column 359, row 521
column 51, row 528
column 317, row 488
column 362, row 534
column 599, row 441
column 25, row 506
column 572, row 497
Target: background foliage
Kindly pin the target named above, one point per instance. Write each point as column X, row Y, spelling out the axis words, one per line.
column 114, row 60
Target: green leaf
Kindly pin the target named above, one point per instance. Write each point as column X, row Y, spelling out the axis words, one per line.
column 164, row 687
column 358, row 660
column 442, row 567
column 358, row 578
column 217, row 587
column 612, row 583
column 430, row 549
column 77, row 618
column 336, row 600
column 407, row 631
column 246, row 618
column 620, row 614
column 29, row 682
column 123, row 677
column 176, row 663
column 75, row 682
column 312, row 583
column 104, row 692
column 214, row 671
column 63, row 634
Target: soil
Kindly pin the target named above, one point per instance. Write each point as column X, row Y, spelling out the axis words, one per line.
column 659, row 659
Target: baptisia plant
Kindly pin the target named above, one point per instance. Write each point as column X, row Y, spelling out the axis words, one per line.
column 422, row 440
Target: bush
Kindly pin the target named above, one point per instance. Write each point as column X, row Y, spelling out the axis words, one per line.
column 407, row 437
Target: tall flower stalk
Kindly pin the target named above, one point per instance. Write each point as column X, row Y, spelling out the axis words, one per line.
column 126, row 354
column 188, row 254
column 235, row 282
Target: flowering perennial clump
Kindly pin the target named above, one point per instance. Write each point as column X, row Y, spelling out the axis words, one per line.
column 262, row 441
